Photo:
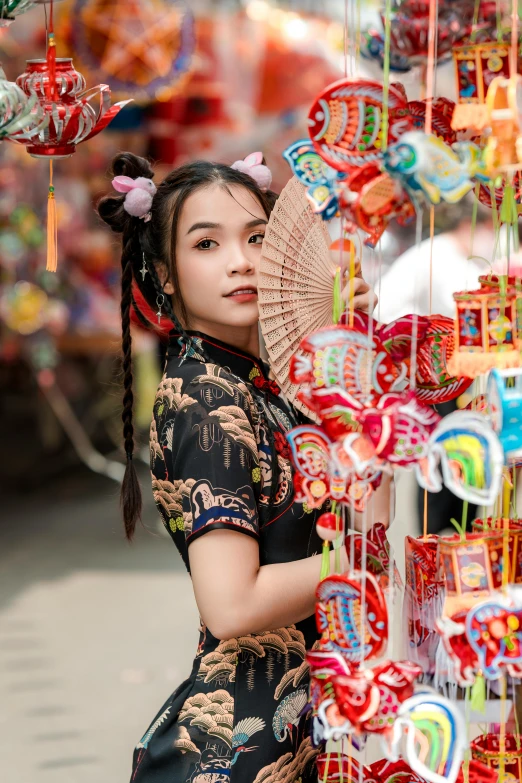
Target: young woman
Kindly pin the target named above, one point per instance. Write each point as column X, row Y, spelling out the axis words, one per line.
column 221, row 475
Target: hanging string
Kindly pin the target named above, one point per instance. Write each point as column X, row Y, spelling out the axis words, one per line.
column 513, row 54
column 358, row 36
column 345, row 38
column 430, row 66
column 52, row 220
column 386, row 74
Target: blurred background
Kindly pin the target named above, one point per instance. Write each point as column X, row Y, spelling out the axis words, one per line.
column 94, row 633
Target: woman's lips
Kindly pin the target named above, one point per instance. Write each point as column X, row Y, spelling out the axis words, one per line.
column 243, row 295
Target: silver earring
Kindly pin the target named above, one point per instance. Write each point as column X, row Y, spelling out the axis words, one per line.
column 144, row 270
column 160, row 300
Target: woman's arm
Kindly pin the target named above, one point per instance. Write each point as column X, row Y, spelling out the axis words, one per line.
column 237, row 596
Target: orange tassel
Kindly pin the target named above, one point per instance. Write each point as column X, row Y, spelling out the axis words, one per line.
column 52, row 226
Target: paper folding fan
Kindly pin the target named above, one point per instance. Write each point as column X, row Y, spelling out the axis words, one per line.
column 295, row 281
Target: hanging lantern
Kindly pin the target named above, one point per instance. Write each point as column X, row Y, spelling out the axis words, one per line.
column 423, row 598
column 18, row 112
column 62, row 99
column 66, row 102
column 500, row 754
column 476, row 65
column 493, row 282
column 472, row 568
column 487, row 332
column 142, row 48
column 346, row 122
column 513, row 529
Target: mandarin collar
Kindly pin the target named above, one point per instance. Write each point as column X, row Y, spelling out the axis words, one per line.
column 240, row 363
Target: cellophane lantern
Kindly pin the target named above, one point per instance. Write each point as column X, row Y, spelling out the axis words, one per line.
column 487, row 331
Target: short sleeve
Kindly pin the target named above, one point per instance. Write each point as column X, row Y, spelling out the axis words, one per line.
column 214, row 461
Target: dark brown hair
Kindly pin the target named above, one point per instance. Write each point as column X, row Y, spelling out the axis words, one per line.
column 153, row 243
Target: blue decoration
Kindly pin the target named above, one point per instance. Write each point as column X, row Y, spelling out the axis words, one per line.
column 430, row 168
column 319, row 178
column 505, row 401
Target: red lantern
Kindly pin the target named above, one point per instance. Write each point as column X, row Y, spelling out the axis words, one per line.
column 63, row 98
column 472, row 568
column 487, row 333
column 506, row 760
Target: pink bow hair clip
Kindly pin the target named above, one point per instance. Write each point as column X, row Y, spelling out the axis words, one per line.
column 253, row 166
column 140, row 192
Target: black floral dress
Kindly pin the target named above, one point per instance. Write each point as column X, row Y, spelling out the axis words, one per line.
column 219, row 459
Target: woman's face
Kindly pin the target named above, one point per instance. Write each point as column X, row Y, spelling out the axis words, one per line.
column 218, row 247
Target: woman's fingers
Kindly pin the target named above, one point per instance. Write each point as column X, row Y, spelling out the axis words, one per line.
column 364, row 297
column 356, row 287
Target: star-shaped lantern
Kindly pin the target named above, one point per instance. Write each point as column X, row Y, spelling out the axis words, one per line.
column 142, row 47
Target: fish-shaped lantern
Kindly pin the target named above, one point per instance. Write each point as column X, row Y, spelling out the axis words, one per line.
column 346, row 122
column 431, row 170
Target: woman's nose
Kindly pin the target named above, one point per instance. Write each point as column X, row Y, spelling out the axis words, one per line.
column 240, row 263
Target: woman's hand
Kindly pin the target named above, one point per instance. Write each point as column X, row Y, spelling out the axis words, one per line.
column 364, row 297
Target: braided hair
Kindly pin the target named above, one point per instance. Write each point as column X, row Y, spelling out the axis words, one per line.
column 148, row 261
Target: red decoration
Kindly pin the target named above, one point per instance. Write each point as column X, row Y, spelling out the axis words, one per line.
column 345, row 122
column 423, row 600
column 487, row 749
column 340, row 768
column 328, row 526
column 340, row 369
column 369, row 698
column 370, row 199
column 62, row 97
column 472, row 568
column 410, row 28
column 399, row 427
column 488, row 332
column 484, row 639
column 441, row 114
column 340, row 612
column 434, row 336
column 378, row 554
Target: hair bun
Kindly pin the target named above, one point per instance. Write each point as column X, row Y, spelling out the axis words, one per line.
column 110, row 208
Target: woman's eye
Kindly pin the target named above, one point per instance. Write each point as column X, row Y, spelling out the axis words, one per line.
column 256, row 239
column 206, row 244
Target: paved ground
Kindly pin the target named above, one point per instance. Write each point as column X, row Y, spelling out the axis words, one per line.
column 94, row 634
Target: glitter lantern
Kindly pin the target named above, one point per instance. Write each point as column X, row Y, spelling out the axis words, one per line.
column 487, row 332
column 66, row 102
column 18, row 112
column 498, row 754
column 9, row 9
column 423, row 599
column 472, row 568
